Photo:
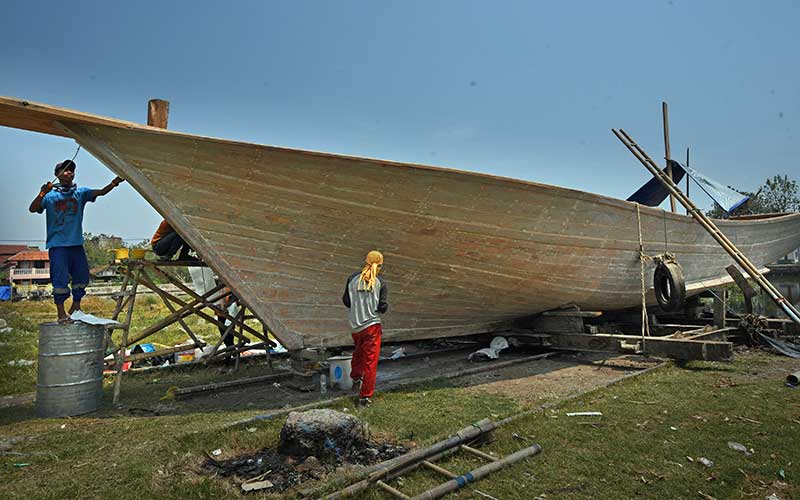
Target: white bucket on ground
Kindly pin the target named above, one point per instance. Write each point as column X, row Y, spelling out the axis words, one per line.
column 339, row 376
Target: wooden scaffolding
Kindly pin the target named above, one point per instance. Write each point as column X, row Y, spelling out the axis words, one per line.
column 141, row 272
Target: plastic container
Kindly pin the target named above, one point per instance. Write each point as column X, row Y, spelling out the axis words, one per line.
column 184, row 356
column 339, row 375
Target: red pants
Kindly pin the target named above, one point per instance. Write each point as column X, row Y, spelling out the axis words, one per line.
column 365, row 358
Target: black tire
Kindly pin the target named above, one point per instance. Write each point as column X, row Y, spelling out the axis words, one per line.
column 669, row 286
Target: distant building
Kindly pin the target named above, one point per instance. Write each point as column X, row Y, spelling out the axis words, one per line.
column 107, row 242
column 29, row 269
column 105, row 273
column 791, row 258
column 7, row 251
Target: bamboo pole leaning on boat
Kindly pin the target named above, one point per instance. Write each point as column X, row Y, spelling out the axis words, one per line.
column 709, row 226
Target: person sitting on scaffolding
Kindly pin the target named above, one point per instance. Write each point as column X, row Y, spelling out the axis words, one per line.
column 64, row 203
column 166, row 242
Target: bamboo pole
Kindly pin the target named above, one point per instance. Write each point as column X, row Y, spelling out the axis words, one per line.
column 479, row 473
column 231, row 383
column 665, row 116
column 464, row 435
column 709, row 226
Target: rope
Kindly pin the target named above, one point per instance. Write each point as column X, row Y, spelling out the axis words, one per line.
column 642, row 258
column 76, row 152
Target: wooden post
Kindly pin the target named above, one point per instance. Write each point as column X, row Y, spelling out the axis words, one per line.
column 687, row 178
column 125, row 330
column 720, row 306
column 157, row 113
column 668, row 170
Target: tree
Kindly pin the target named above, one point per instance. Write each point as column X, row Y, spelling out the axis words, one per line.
column 95, row 254
column 778, row 194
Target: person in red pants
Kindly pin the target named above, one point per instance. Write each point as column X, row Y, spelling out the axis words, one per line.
column 365, row 295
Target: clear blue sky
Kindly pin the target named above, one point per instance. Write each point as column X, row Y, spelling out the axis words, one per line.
column 526, row 89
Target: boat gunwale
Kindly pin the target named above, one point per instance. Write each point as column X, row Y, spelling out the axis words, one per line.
column 68, row 115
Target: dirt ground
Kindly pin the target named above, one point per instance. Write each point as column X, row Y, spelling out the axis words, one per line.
column 530, row 382
column 554, row 378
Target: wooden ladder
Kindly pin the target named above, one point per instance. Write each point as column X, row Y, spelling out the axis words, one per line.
column 456, row 481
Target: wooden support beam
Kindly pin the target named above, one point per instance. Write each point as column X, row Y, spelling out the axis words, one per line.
column 720, row 307
column 574, row 314
column 743, row 285
column 232, row 383
column 145, row 279
column 219, row 311
column 157, row 113
column 720, row 334
column 629, row 344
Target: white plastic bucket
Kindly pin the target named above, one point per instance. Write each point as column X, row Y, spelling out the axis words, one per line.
column 339, row 376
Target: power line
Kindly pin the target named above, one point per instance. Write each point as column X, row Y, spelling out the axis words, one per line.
column 43, row 241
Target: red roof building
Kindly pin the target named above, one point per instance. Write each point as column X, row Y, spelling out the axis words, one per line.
column 7, row 251
column 29, row 267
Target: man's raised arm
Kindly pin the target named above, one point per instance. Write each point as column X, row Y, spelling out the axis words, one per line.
column 111, row 185
column 36, row 204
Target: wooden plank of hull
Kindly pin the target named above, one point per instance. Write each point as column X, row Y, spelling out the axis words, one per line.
column 466, row 253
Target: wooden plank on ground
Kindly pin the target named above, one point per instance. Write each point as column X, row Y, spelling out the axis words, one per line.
column 629, row 344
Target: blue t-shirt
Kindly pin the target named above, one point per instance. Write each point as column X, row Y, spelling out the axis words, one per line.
column 65, row 216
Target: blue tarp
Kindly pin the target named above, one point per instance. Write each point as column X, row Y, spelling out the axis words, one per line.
column 5, row 293
column 653, row 192
column 725, row 197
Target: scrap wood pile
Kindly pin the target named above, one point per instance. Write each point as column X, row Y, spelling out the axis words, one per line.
column 758, row 333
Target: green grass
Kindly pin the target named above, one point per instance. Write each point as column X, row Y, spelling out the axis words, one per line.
column 24, row 318
column 631, row 451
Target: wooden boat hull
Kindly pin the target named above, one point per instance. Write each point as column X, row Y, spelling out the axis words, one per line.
column 465, row 252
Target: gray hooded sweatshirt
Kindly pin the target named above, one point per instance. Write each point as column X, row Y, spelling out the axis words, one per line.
column 365, row 305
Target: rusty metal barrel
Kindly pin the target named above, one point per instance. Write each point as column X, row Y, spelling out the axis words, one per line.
column 70, row 371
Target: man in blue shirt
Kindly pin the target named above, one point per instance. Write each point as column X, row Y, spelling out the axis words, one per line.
column 64, row 203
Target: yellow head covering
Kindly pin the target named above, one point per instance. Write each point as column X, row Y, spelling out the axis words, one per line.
column 370, row 272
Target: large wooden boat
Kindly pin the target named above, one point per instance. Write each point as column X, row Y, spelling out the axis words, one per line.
column 465, row 252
